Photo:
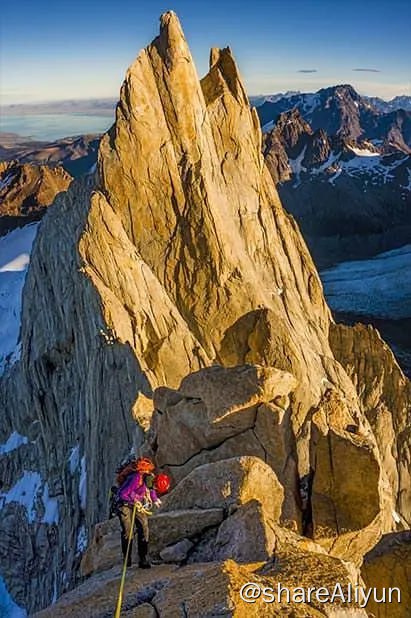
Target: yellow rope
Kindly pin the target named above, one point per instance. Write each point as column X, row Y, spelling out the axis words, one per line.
column 123, row 575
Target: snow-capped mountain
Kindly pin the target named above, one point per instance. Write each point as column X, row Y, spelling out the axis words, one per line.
column 350, row 197
column 341, row 111
column 259, row 99
column 400, row 102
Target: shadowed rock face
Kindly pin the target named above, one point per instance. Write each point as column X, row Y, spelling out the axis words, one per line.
column 180, row 257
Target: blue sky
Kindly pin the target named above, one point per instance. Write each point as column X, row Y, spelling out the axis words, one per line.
column 81, row 49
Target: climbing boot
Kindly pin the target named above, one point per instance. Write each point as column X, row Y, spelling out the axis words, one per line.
column 124, row 545
column 142, row 554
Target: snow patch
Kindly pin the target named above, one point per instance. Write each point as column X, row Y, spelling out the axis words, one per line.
column 51, row 508
column 15, row 250
column 310, row 102
column 13, row 442
column 379, row 287
column 296, row 166
column 74, row 459
column 364, row 152
column 82, row 539
column 82, row 488
column 8, row 607
column 26, row 492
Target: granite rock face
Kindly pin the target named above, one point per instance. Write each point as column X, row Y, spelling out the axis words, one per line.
column 384, row 396
column 176, row 258
column 214, row 589
column 388, row 566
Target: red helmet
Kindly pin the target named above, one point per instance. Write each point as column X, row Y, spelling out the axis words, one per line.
column 144, row 464
column 162, row 483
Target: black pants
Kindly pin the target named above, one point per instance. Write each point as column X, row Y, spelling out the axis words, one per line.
column 125, row 514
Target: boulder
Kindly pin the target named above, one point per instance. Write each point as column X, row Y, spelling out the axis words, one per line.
column 212, row 405
column 220, row 413
column 385, row 393
column 349, row 498
column 227, row 484
column 226, row 390
column 177, row 552
column 385, row 566
column 246, row 536
column 165, row 529
column 145, row 610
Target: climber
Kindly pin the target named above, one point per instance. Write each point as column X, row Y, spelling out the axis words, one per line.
column 138, row 490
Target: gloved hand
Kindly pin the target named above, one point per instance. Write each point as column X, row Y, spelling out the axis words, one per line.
column 157, row 503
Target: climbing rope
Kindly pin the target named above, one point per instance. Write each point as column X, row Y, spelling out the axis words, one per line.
column 123, row 575
column 141, row 508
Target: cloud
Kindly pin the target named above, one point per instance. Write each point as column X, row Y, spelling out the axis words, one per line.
column 368, row 70
column 307, row 71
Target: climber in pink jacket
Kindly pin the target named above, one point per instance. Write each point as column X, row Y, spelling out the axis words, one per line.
column 136, row 487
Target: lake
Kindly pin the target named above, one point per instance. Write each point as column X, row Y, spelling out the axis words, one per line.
column 49, row 127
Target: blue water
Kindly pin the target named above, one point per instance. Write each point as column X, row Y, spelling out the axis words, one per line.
column 54, row 126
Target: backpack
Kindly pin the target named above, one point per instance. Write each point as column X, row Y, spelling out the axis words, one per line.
column 124, row 471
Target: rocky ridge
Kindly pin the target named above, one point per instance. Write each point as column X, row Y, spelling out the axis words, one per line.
column 230, row 515
column 77, row 155
column 176, row 277
column 26, row 191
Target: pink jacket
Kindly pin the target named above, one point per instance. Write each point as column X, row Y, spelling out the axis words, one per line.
column 135, row 490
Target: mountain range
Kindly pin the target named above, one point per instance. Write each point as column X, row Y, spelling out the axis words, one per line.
column 381, row 105
column 106, row 106
column 343, row 167
column 341, row 111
